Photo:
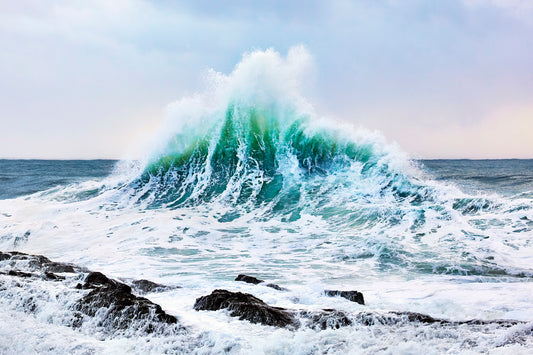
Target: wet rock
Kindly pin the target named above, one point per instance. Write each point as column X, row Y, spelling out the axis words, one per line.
column 145, row 286
column 34, row 261
column 246, row 307
column 327, row 318
column 248, row 279
column 118, row 308
column 59, row 267
column 419, row 317
column 108, row 304
column 4, row 256
column 353, row 296
column 52, row 276
column 276, row 287
column 256, row 281
column 39, row 262
column 19, row 273
column 96, row 279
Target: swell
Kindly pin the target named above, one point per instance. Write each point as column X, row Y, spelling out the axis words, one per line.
column 253, row 158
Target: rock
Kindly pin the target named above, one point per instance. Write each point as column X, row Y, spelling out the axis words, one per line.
column 256, row 281
column 39, row 262
column 246, row 307
column 59, row 267
column 419, row 317
column 34, row 261
column 327, row 318
column 106, row 303
column 52, row 276
column 248, row 279
column 251, row 308
column 145, row 286
column 19, row 273
column 4, row 256
column 276, row 287
column 123, row 310
column 353, row 296
column 97, row 279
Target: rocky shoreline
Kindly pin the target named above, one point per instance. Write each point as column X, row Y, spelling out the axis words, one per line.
column 115, row 307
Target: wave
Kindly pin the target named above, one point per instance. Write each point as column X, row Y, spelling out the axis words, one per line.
column 261, row 146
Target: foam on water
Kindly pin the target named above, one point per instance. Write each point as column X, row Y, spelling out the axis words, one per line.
column 245, row 178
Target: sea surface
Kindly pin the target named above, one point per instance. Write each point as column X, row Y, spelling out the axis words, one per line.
column 246, row 179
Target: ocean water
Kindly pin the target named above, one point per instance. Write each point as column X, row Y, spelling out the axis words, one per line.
column 246, row 179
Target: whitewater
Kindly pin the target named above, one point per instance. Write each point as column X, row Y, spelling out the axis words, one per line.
column 245, row 178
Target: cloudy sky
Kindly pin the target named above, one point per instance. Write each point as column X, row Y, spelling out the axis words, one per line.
column 443, row 79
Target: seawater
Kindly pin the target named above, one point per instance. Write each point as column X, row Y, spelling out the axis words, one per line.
column 245, row 178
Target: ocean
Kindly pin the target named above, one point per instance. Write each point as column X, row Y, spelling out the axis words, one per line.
column 247, row 180
column 465, row 253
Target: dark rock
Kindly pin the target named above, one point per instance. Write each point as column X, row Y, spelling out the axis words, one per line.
column 246, row 307
column 59, row 267
column 276, row 287
column 353, row 296
column 39, row 262
column 501, row 322
column 327, row 318
column 34, row 261
column 96, row 279
column 256, row 281
column 108, row 304
column 19, row 273
column 122, row 309
column 4, row 256
column 420, row 318
column 146, row 286
column 248, row 279
column 120, row 306
column 52, row 276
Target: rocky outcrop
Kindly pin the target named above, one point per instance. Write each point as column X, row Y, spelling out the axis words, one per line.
column 103, row 302
column 38, row 263
column 246, row 307
column 326, row 318
column 120, row 308
column 353, row 296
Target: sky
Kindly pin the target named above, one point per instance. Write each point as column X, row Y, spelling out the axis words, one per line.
column 93, row 79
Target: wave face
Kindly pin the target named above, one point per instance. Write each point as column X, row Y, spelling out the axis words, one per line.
column 260, row 146
column 254, row 158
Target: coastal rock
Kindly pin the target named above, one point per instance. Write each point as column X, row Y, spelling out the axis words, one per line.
column 354, row 296
column 248, row 279
column 327, row 318
column 120, row 309
column 256, row 281
column 38, row 262
column 246, row 307
column 97, row 280
column 105, row 303
column 145, row 286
